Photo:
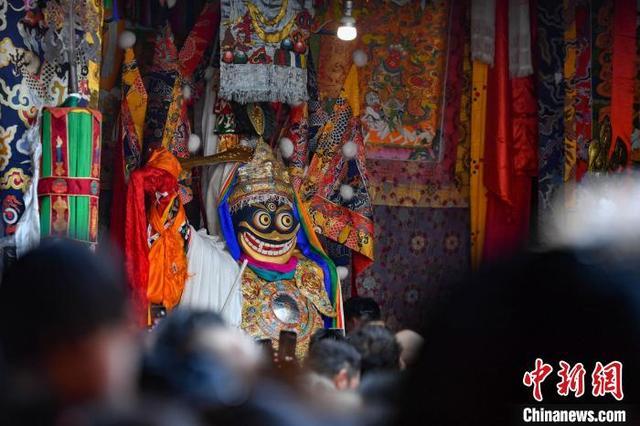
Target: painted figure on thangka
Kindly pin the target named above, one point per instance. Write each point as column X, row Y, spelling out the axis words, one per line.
column 401, row 85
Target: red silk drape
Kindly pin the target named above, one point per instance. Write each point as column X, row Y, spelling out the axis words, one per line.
column 159, row 175
column 510, row 156
column 624, row 70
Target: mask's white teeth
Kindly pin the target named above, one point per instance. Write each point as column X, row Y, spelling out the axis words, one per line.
column 265, row 248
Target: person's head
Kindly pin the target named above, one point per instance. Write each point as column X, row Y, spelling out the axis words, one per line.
column 64, row 318
column 358, row 311
column 410, row 345
column 378, row 347
column 337, row 361
column 326, row 334
column 195, row 356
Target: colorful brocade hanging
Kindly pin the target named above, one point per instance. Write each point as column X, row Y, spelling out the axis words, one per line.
column 263, row 50
column 167, row 121
column 69, row 186
column 128, row 150
column 346, row 220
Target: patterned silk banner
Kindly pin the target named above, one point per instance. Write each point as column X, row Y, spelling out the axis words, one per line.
column 550, row 62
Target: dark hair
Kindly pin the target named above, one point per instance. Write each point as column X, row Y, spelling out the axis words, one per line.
column 361, row 307
column 378, row 347
column 57, row 294
column 326, row 334
column 174, row 367
column 176, row 332
column 327, row 357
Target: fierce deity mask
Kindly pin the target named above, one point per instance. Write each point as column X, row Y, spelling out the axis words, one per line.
column 262, row 209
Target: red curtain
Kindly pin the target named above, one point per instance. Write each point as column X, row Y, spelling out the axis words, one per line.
column 510, row 157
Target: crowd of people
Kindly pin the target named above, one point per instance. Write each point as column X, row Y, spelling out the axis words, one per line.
column 71, row 353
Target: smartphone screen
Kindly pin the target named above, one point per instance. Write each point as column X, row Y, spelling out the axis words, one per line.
column 287, row 346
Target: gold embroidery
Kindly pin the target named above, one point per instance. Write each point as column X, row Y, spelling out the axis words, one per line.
column 256, row 14
column 274, row 37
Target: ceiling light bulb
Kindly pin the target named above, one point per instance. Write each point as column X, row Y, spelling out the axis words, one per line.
column 347, row 30
column 347, row 33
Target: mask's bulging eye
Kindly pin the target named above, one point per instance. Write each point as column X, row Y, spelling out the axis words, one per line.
column 262, row 220
column 284, row 221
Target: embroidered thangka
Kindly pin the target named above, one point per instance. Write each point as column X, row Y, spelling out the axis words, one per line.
column 346, row 220
column 411, row 141
column 69, row 186
column 167, row 121
column 602, row 69
column 263, row 50
column 334, row 56
column 550, row 62
column 34, row 72
column 582, row 77
column 402, row 85
column 570, row 139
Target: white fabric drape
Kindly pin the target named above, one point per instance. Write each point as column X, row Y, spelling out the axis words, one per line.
column 483, row 30
column 212, row 273
column 27, row 234
column 520, row 62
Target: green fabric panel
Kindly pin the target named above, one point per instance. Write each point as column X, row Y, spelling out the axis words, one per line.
column 79, row 156
column 74, row 135
column 83, row 149
column 45, row 216
column 45, row 202
column 46, row 144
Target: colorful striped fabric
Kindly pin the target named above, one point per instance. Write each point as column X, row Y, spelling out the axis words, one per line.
column 69, row 187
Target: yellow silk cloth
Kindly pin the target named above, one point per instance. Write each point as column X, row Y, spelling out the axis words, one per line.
column 478, row 192
column 136, row 95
